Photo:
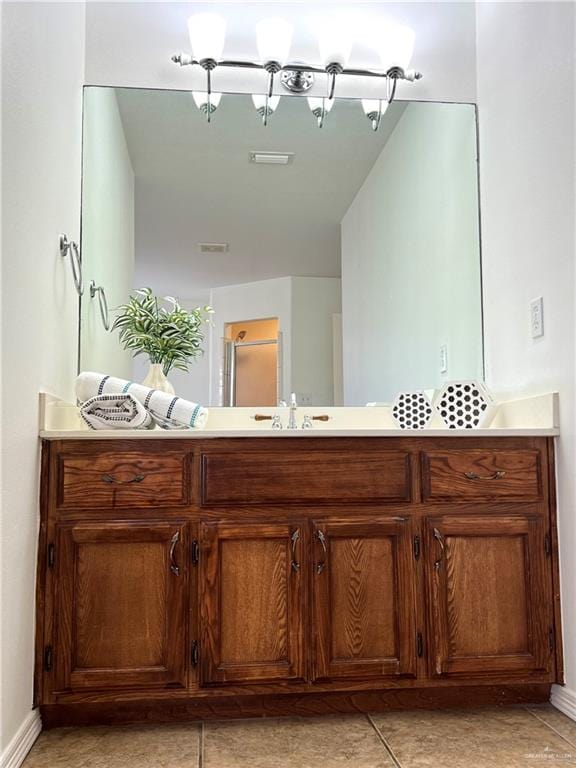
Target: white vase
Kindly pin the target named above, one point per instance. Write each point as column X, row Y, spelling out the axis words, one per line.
column 157, row 380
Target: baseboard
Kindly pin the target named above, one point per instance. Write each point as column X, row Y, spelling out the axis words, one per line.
column 14, row 754
column 564, row 699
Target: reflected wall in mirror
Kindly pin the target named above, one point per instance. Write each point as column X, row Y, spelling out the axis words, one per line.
column 346, row 274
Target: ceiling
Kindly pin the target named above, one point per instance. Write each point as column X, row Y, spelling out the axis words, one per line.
column 194, row 183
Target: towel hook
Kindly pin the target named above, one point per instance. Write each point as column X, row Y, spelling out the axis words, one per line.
column 102, row 303
column 70, row 248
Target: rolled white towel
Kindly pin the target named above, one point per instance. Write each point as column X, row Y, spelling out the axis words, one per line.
column 161, row 405
column 116, row 412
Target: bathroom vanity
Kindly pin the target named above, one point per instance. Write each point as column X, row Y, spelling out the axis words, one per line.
column 194, row 577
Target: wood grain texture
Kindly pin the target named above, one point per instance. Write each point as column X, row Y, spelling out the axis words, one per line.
column 445, row 474
column 122, row 479
column 121, row 612
column 256, row 477
column 252, row 603
column 487, row 586
column 554, row 556
column 364, row 601
column 287, row 704
column 263, row 668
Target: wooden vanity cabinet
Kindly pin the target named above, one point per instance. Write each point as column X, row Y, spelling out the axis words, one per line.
column 391, row 572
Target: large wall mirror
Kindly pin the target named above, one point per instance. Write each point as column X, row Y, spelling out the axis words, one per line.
column 342, row 263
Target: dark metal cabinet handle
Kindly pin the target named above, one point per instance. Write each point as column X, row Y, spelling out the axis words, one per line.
column 498, row 475
column 440, row 539
column 294, row 539
column 113, row 480
column 322, row 564
column 173, row 566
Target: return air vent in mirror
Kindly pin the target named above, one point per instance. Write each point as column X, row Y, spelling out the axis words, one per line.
column 271, row 158
column 213, row 247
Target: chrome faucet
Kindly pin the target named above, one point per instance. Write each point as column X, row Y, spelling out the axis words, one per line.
column 293, row 409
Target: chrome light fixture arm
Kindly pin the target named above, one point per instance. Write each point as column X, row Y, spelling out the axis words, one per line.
column 395, row 73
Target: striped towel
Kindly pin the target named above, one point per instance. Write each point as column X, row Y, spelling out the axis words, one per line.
column 166, row 409
column 116, row 412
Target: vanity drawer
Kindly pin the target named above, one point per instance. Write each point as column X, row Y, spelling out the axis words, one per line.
column 305, row 476
column 464, row 475
column 122, row 479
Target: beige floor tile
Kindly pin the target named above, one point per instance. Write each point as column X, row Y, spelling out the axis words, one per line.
column 327, row 742
column 483, row 738
column 557, row 720
column 163, row 746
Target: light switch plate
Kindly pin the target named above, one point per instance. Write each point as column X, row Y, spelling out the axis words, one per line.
column 537, row 317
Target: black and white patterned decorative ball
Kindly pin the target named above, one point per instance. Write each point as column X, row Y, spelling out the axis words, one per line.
column 465, row 405
column 412, row 410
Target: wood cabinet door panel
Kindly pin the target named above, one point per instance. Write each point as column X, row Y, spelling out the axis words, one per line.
column 121, row 605
column 252, row 603
column 364, row 599
column 488, row 581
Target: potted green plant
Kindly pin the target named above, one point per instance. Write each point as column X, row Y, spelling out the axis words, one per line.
column 170, row 335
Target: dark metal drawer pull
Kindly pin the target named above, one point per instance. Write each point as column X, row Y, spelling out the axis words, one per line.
column 294, row 538
column 498, row 475
column 173, row 566
column 112, row 480
column 440, row 539
column 322, row 539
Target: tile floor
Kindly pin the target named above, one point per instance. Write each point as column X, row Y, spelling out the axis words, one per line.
column 518, row 737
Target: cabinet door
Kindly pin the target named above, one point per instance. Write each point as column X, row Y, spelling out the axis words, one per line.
column 252, row 603
column 489, row 595
column 121, row 605
column 364, row 599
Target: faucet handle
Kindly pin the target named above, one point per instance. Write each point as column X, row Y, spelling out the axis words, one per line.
column 276, row 423
column 307, row 422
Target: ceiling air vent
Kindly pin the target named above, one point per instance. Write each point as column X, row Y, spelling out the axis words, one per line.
column 271, row 158
column 213, row 247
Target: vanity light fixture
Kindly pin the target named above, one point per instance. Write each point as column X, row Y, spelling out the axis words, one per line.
column 320, row 108
column 394, row 44
column 207, row 34
column 265, row 105
column 374, row 110
column 206, row 102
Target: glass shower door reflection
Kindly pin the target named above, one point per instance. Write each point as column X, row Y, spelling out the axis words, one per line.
column 251, row 373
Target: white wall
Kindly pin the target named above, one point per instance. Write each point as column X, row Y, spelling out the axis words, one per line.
column 304, row 307
column 315, row 300
column 107, row 229
column 130, row 43
column 411, row 259
column 526, row 93
column 42, row 74
column 250, row 301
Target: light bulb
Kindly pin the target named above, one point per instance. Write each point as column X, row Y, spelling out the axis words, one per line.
column 335, row 41
column 207, row 33
column 259, row 100
column 316, row 104
column 394, row 43
column 374, row 110
column 273, row 38
column 201, row 100
column 374, row 105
